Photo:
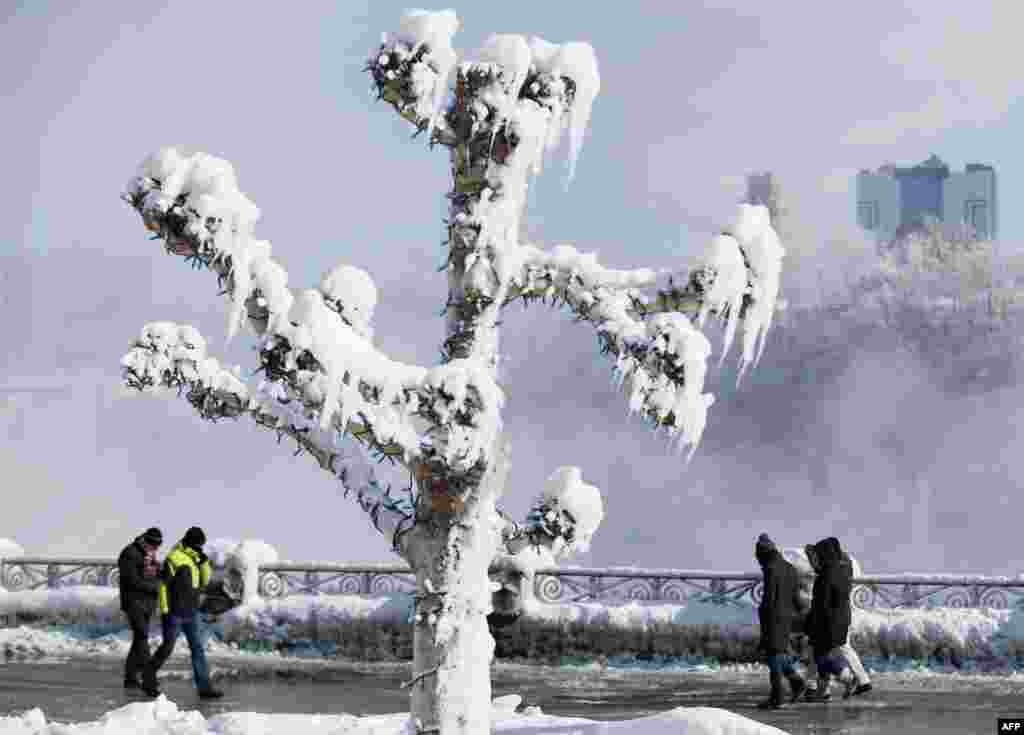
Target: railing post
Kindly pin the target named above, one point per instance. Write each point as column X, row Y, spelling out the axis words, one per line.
column 718, row 589
column 52, row 575
column 595, row 588
column 313, row 583
column 657, row 583
column 367, row 583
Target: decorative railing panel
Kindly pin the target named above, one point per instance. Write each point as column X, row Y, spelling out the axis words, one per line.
column 674, row 586
column 569, row 584
column 280, row 580
column 29, row 572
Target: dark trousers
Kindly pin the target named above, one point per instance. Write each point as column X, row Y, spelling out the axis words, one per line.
column 138, row 655
column 171, row 626
column 782, row 663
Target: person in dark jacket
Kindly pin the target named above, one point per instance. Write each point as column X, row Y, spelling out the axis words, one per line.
column 861, row 681
column 138, row 572
column 186, row 574
column 828, row 624
column 777, row 613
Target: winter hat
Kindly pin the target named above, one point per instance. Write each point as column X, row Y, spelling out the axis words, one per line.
column 153, row 536
column 194, row 537
column 764, row 544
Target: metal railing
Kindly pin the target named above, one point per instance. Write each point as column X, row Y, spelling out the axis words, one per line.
column 562, row 585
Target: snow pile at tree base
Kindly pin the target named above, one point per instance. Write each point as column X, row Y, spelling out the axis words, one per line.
column 163, row 717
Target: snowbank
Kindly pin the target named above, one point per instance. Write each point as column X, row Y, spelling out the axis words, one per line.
column 10, row 549
column 378, row 628
column 245, row 560
column 219, row 549
column 86, row 603
column 163, row 717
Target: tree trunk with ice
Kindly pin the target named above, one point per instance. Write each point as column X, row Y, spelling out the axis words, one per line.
column 324, row 385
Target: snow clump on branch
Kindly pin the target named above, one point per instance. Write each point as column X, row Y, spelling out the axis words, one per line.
column 763, row 249
column 568, row 510
column 169, row 355
column 737, row 278
column 578, row 62
column 350, row 291
column 423, row 43
column 201, row 192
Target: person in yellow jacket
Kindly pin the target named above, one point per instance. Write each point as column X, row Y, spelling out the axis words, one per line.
column 186, row 573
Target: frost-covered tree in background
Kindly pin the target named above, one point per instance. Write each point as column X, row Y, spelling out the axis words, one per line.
column 951, row 298
column 323, row 383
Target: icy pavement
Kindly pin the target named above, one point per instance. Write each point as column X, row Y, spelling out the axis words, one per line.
column 79, row 690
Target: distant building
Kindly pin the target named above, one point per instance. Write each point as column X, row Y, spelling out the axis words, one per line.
column 763, row 188
column 894, row 200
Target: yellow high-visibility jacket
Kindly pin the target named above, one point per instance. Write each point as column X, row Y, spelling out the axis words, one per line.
column 186, row 573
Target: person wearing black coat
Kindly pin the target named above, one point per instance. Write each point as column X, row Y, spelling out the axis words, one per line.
column 777, row 613
column 828, row 624
column 139, row 584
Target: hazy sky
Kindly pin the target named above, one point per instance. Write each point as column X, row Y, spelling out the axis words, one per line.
column 693, row 97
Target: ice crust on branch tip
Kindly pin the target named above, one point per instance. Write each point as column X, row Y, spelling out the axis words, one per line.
column 431, row 31
column 540, row 126
column 764, row 252
column 577, row 61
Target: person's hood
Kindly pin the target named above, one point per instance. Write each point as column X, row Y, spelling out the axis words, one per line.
column 828, row 552
column 765, row 555
column 812, row 556
column 197, row 556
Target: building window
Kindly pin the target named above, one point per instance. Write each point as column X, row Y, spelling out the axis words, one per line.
column 867, row 215
column 976, row 215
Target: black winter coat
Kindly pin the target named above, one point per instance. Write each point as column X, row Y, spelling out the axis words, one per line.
column 137, row 590
column 828, row 624
column 779, row 604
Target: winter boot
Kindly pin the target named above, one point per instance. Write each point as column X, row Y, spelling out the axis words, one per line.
column 774, row 700
column 820, row 694
column 797, row 687
column 862, row 689
column 849, row 682
column 210, row 693
column 149, row 685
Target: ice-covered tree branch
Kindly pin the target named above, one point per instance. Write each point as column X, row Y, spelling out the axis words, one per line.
column 315, row 345
column 562, row 519
column 411, row 69
column 660, row 354
column 173, row 357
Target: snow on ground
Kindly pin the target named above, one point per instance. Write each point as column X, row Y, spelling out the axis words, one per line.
column 163, row 717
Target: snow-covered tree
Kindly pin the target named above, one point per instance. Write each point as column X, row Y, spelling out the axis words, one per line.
column 944, row 292
column 325, row 385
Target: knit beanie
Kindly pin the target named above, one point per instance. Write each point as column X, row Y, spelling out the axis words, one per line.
column 764, row 544
column 194, row 537
column 153, row 536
